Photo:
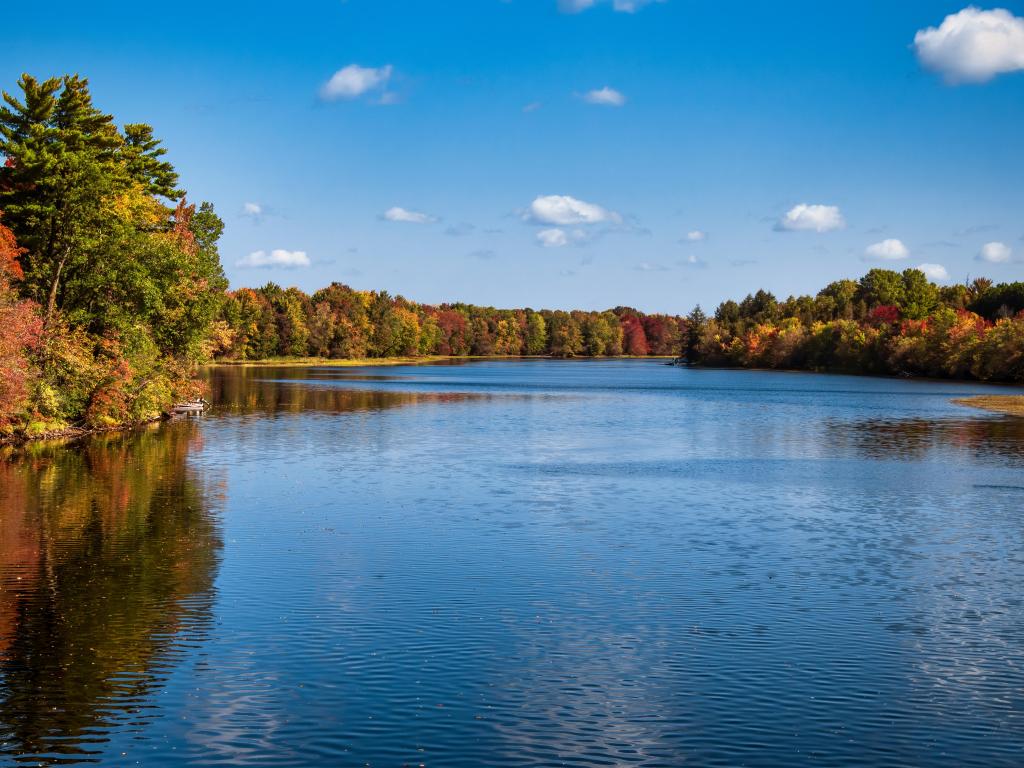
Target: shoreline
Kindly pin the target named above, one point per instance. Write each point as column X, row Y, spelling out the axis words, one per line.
column 70, row 434
column 1006, row 405
column 371, row 362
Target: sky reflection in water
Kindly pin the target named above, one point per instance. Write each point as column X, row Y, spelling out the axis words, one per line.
column 522, row 563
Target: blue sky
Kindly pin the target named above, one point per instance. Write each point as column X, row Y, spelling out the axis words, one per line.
column 533, row 153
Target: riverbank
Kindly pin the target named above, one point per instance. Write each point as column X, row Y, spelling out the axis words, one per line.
column 356, row 362
column 1008, row 405
column 350, row 362
column 21, row 438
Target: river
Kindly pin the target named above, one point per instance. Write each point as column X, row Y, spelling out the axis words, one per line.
column 522, row 563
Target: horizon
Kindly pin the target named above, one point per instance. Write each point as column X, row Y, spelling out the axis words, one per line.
column 590, row 155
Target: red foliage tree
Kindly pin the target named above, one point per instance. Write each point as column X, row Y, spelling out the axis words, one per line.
column 20, row 331
column 634, row 339
column 454, row 333
column 9, row 254
column 884, row 314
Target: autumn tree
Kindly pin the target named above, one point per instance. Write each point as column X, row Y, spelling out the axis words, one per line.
column 20, row 329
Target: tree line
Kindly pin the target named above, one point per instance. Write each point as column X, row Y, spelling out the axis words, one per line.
column 340, row 322
column 886, row 323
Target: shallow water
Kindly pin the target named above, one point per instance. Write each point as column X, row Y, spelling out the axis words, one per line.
column 522, row 563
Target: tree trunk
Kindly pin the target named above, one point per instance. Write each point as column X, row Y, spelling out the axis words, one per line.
column 51, row 304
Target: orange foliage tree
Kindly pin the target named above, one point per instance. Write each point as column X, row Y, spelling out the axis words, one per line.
column 20, row 330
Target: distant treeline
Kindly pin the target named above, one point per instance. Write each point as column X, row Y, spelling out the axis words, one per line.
column 340, row 322
column 887, row 323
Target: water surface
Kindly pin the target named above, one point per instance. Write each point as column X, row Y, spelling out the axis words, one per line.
column 522, row 563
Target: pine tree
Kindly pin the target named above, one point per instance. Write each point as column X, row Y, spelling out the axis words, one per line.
column 62, row 170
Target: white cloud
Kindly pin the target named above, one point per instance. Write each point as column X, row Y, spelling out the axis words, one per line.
column 889, row 250
column 804, row 217
column 353, row 81
column 995, row 253
column 252, row 209
column 607, row 97
column 564, row 210
column 696, row 236
column 935, row 272
column 575, row 6
column 973, row 45
column 276, row 258
column 533, row 106
column 621, row 6
column 411, row 217
column 552, row 238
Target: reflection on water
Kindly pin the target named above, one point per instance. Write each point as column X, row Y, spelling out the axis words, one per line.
column 266, row 390
column 108, row 552
column 522, row 564
column 997, row 438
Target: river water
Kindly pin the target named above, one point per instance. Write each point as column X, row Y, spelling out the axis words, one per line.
column 530, row 563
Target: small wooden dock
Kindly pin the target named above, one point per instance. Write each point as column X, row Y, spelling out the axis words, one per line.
column 189, row 407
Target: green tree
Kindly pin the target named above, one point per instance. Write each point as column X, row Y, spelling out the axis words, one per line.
column 564, row 336
column 836, row 300
column 64, row 169
column 920, row 296
column 142, row 155
column 882, row 287
column 696, row 323
column 536, row 341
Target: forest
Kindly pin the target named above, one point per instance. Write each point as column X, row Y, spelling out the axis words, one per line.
column 112, row 293
column 339, row 322
column 886, row 323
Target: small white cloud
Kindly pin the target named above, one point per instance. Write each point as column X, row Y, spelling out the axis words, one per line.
column 607, row 97
column 935, row 272
column 632, row 6
column 620, row 6
column 564, row 210
column 696, row 236
column 410, row 217
column 533, row 106
column 353, row 81
column 254, row 210
column 995, row 253
column 279, row 258
column 552, row 238
column 693, row 261
column 887, row 250
column 973, row 46
column 646, row 266
column 817, row 218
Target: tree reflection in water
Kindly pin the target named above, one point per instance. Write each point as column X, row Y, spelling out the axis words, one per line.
column 266, row 390
column 108, row 553
column 1000, row 439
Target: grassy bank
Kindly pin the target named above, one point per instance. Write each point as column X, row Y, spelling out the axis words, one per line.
column 1009, row 405
column 297, row 362
column 67, row 433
